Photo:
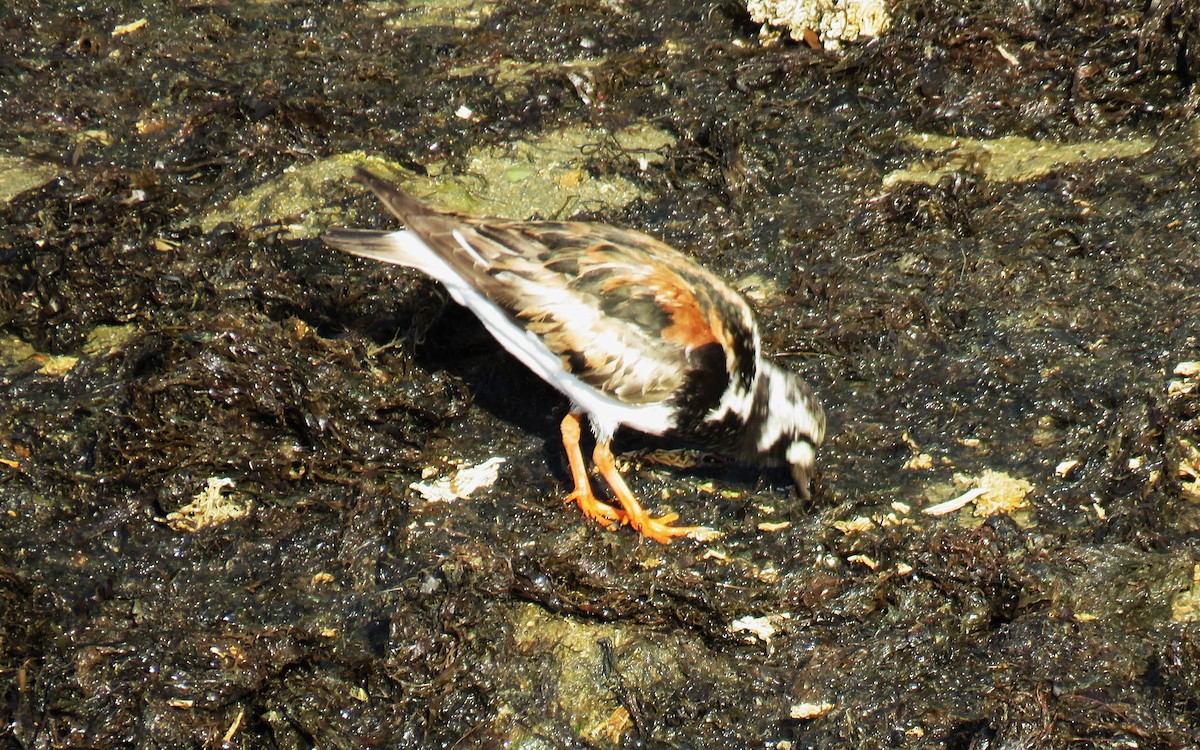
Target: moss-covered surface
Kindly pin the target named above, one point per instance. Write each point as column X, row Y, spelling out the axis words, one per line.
column 976, row 236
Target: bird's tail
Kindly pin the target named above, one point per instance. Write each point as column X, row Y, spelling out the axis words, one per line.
column 403, row 248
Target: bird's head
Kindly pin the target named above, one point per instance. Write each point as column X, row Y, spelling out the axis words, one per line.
column 790, row 423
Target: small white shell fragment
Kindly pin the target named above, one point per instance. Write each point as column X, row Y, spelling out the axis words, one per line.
column 867, row 523
column 1187, row 369
column 957, row 503
column 918, row 462
column 762, row 628
column 704, row 534
column 465, row 481
column 864, row 560
column 1008, row 55
column 1065, row 467
column 767, row 574
column 211, row 506
column 128, row 28
column 995, row 492
column 808, row 710
column 854, row 525
column 1180, row 387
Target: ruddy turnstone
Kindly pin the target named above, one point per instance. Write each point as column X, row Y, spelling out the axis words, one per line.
column 632, row 331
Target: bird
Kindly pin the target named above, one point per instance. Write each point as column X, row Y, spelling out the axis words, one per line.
column 633, row 332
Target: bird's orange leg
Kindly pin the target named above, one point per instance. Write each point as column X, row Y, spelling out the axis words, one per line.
column 606, row 514
column 658, row 529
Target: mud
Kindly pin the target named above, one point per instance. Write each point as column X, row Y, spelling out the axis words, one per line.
column 975, row 235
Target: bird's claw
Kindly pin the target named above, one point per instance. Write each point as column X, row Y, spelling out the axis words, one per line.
column 607, row 515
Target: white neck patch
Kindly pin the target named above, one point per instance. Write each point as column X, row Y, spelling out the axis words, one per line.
column 788, row 410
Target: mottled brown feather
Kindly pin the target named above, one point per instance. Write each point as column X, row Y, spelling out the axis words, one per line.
column 622, row 309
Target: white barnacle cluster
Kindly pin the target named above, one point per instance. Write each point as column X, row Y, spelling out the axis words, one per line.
column 825, row 23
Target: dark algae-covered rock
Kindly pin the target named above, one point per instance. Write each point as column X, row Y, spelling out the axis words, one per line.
column 255, row 493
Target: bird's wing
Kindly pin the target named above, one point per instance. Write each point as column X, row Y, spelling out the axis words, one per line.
column 626, row 313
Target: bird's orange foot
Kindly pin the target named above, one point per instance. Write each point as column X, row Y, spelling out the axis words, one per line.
column 660, row 529
column 605, row 514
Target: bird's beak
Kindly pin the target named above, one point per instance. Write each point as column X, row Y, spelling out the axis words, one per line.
column 802, row 476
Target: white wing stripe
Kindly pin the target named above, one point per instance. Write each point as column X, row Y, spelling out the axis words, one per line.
column 606, row 412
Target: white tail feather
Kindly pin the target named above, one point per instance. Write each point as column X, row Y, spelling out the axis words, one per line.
column 402, row 248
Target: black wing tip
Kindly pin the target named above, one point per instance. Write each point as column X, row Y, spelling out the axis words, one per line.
column 360, row 242
column 350, row 239
column 381, row 187
column 369, row 178
column 400, row 203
